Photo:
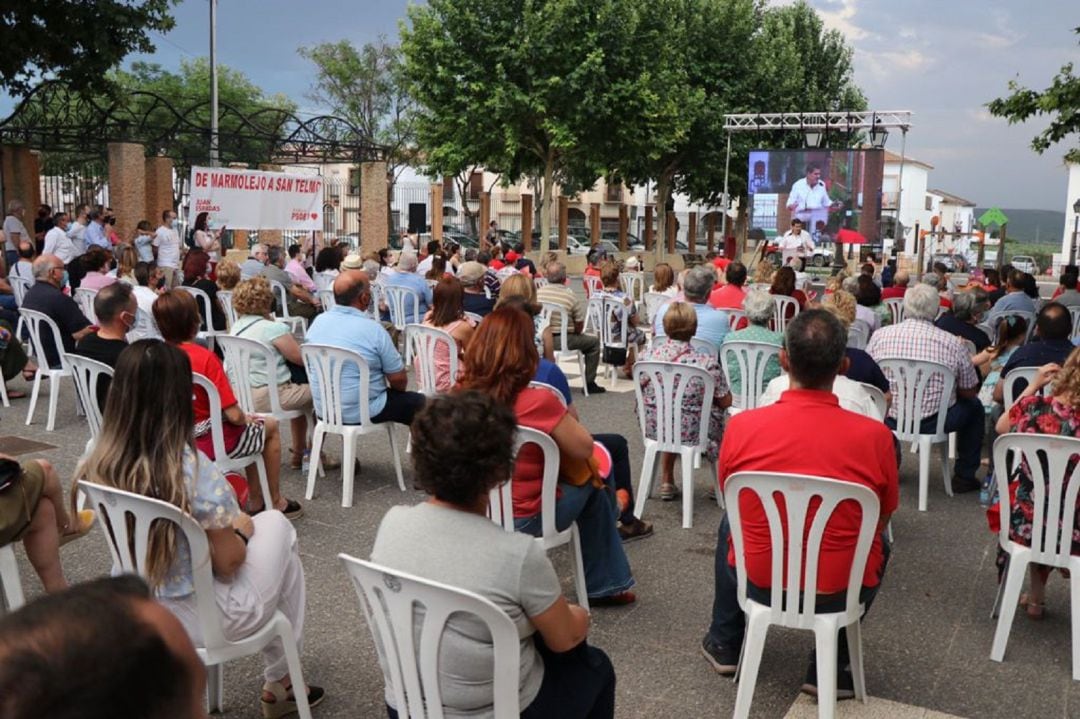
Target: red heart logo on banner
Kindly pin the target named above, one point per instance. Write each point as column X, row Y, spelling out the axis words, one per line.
column 314, row 215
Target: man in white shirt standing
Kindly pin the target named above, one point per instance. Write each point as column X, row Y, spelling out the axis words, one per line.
column 795, row 243
column 167, row 249
column 809, row 200
column 57, row 241
column 77, row 229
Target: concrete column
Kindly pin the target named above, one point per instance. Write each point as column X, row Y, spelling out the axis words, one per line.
column 374, row 219
column 436, row 210
column 710, row 224
column 564, row 220
column 670, row 229
column 691, row 233
column 20, row 169
column 127, row 185
column 159, row 188
column 624, row 224
column 594, row 223
column 648, row 228
column 485, row 212
column 527, row 221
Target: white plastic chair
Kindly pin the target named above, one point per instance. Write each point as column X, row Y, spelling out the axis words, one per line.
column 539, row 282
column 400, row 314
column 702, row 345
column 669, row 382
column 225, row 298
column 217, row 436
column 910, row 380
column 896, row 309
column 735, row 317
column 550, row 388
column 501, row 510
column 1028, row 317
column 633, row 284
column 325, row 365
column 127, row 518
column 36, row 324
column 420, row 345
column 19, row 288
column 878, row 397
column 9, row 578
column 751, row 359
column 88, row 374
column 564, row 353
column 1074, row 312
column 1054, row 504
column 326, row 299
column 858, row 335
column 145, row 327
column 474, row 317
column 614, row 327
column 798, row 548
column 783, row 303
column 592, row 284
column 281, row 297
column 653, row 301
column 408, row 641
column 1009, row 388
column 84, row 297
column 594, row 313
column 987, row 330
column 206, row 310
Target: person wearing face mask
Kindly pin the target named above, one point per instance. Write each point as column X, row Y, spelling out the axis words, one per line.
column 57, row 241
column 166, row 247
column 115, row 307
column 76, row 231
column 47, row 296
column 295, row 268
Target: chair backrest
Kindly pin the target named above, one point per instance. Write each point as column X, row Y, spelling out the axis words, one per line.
column 327, row 300
column 1050, row 461
column 36, row 324
column 87, row 374
column 396, row 298
column 615, row 320
column 409, row 641
column 784, row 305
column 474, row 317
column 499, row 499
column 1029, row 317
column 592, row 284
column 878, row 396
column 145, row 327
column 84, row 297
column 126, row 520
column 1074, row 312
column 911, row 380
column 986, row 330
column 205, row 307
column 420, row 344
column 594, row 313
column 703, row 346
column 19, row 288
column 735, row 318
column 239, row 352
column 282, row 296
column 632, row 284
column 858, row 335
column 539, row 281
column 668, row 383
column 751, row 359
column 547, row 310
column 225, row 298
column 217, row 427
column 550, row 388
column 653, row 301
column 795, row 553
column 324, row 364
column 1016, row 382
column 896, row 309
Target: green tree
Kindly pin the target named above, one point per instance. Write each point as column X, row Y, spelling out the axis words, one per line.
column 72, row 40
column 1061, row 100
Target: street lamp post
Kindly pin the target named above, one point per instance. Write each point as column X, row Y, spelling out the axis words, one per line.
column 214, row 158
column 1076, row 232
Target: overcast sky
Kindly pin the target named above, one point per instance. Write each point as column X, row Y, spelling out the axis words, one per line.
column 943, row 60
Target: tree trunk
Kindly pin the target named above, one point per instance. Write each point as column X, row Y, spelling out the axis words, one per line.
column 663, row 194
column 390, row 204
column 545, row 204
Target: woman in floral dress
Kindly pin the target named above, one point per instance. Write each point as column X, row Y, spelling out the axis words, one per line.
column 680, row 324
column 1055, row 414
column 635, row 335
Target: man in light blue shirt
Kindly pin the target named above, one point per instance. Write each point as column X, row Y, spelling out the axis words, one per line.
column 95, row 231
column 406, row 277
column 347, row 325
column 1014, row 300
column 712, row 324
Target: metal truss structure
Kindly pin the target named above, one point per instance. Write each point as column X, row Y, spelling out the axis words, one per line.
column 828, row 121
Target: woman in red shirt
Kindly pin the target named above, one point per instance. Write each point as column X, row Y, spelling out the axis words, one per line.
column 501, row 360
column 178, row 320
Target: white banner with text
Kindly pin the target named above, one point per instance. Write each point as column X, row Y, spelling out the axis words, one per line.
column 257, row 200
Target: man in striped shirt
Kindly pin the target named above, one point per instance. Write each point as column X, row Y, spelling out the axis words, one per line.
column 558, row 293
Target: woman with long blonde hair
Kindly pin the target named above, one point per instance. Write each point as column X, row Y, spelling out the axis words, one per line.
column 255, row 561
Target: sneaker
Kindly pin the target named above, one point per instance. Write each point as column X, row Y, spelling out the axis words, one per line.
column 613, row 600
column 634, row 529
column 595, row 388
column 725, row 661
column 845, row 685
column 962, row 485
column 292, row 510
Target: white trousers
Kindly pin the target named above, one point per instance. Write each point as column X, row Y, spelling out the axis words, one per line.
column 270, row 578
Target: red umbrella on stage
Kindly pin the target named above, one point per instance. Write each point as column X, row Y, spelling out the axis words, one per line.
column 850, row 237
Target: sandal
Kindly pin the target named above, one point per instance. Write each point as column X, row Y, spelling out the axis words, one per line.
column 296, row 461
column 15, row 393
column 284, row 703
column 85, row 519
column 669, row 492
column 1033, row 610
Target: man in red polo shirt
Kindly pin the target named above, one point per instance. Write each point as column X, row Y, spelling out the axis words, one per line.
column 899, row 286
column 732, row 294
column 753, row 441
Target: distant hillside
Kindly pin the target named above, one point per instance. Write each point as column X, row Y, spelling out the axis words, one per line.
column 1032, row 225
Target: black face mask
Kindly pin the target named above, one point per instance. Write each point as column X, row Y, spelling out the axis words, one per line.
column 160, row 282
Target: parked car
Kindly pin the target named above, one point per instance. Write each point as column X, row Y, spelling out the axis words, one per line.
column 1025, row 263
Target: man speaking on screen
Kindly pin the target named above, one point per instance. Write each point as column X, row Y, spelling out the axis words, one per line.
column 809, row 200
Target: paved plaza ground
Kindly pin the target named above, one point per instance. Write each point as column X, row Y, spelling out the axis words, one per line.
column 927, row 639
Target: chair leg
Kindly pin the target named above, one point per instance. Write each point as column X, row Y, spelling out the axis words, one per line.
column 946, row 473
column 581, row 368
column 854, row 642
column 4, row 394
column 215, row 688
column 1014, row 580
column 924, row 470
column 296, row 671
column 999, row 596
column 753, row 646
column 715, row 484
column 54, row 401
column 264, row 482
column 648, row 469
column 348, row 468
column 952, row 445
column 687, row 461
column 397, row 456
column 316, row 450
column 34, row 396
column 580, row 586
column 316, row 455
column 1074, row 607
column 9, row 578
column 825, row 642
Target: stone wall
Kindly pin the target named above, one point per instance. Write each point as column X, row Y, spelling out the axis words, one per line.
column 20, row 177
column 127, row 186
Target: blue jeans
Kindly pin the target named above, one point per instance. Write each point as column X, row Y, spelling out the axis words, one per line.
column 621, row 477
column 607, row 571
column 728, row 621
column 967, row 418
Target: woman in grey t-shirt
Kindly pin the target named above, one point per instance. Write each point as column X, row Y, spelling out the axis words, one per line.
column 462, row 448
